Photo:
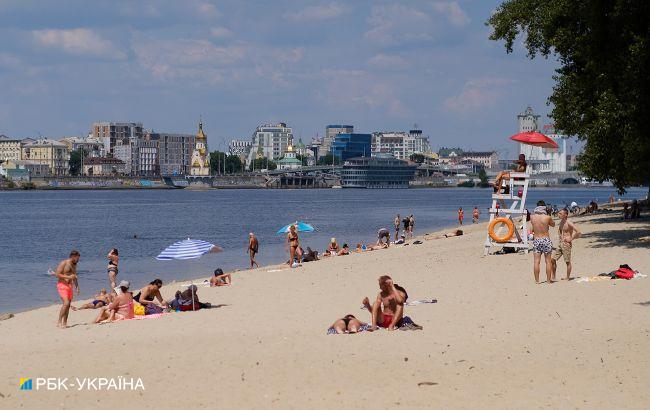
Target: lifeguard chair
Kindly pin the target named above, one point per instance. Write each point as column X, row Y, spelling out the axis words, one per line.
column 508, row 227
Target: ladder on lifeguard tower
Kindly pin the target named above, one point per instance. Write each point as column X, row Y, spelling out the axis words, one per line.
column 511, row 205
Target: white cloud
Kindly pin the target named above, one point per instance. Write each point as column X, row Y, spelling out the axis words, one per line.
column 81, row 41
column 220, row 32
column 478, row 93
column 207, row 10
column 397, row 24
column 388, row 62
column 457, row 17
column 320, row 12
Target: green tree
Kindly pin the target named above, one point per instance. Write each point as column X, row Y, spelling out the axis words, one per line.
column 233, row 164
column 262, row 163
column 601, row 92
column 75, row 161
column 327, row 160
column 482, row 175
column 217, row 159
column 418, row 158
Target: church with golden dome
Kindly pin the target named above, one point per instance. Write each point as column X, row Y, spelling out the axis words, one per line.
column 200, row 156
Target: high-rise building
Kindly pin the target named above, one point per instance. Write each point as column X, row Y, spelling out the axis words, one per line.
column 351, row 145
column 401, row 144
column 331, row 131
column 270, row 141
column 200, row 162
column 174, row 152
column 240, row 148
column 10, row 149
column 110, row 133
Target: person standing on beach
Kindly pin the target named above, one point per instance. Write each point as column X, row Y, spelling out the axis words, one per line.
column 293, row 242
column 113, row 261
column 396, row 223
column 542, row 244
column 66, row 273
column 253, row 248
column 475, row 215
column 567, row 232
column 411, row 225
column 405, row 222
column 461, row 215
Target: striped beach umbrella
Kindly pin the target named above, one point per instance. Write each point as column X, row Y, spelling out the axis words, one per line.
column 187, row 249
column 300, row 227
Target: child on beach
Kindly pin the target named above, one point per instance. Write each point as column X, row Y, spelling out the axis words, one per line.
column 475, row 214
column 567, row 231
column 461, row 215
column 220, row 278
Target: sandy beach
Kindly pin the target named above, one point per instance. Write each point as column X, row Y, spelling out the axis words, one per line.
column 493, row 340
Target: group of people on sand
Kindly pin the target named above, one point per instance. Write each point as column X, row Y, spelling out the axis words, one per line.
column 120, row 303
column 387, row 311
column 408, row 224
column 541, row 223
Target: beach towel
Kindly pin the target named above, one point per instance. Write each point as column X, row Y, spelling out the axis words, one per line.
column 154, row 316
column 363, row 328
column 420, row 302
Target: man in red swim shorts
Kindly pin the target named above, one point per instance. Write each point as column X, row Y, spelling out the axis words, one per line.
column 388, row 308
column 66, row 274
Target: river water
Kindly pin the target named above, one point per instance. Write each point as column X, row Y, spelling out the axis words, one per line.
column 39, row 228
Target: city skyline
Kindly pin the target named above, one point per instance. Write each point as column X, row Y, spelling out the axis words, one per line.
column 376, row 65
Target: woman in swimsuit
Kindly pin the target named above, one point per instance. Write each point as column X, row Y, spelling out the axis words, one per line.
column 120, row 308
column 113, row 260
column 347, row 324
column 147, row 295
column 293, row 242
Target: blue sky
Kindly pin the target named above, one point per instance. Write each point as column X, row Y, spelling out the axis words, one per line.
column 380, row 65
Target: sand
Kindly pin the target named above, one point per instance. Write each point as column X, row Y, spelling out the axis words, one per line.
column 493, row 340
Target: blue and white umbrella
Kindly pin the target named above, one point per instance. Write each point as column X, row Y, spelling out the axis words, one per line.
column 187, row 249
column 300, row 227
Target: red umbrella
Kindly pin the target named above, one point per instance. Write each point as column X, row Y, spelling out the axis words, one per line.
column 534, row 138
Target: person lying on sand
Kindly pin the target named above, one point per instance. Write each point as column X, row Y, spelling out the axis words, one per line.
column 120, row 308
column 457, row 232
column 345, row 250
column 347, row 324
column 400, row 241
column 310, row 255
column 101, row 299
column 220, row 278
column 388, row 308
column 184, row 300
column 375, row 247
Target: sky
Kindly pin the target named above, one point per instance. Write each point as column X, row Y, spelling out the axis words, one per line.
column 378, row 65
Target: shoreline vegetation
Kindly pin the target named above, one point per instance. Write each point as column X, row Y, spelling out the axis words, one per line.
column 491, row 340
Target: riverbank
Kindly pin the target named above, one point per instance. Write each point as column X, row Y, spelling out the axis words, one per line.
column 494, row 339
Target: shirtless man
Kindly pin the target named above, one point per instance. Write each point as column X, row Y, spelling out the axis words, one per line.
column 391, row 300
column 66, row 273
column 253, row 248
column 397, row 223
column 567, row 232
column 542, row 242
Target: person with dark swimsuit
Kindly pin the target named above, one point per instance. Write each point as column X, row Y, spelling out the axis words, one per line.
column 293, row 243
column 146, row 297
column 347, row 324
column 113, row 260
column 253, row 248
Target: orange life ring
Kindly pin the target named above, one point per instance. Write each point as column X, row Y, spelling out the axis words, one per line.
column 501, row 239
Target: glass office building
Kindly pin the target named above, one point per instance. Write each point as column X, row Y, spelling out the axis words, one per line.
column 376, row 172
column 351, row 145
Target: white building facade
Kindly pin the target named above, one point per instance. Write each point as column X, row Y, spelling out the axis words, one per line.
column 10, row 149
column 542, row 160
column 270, row 141
column 401, row 144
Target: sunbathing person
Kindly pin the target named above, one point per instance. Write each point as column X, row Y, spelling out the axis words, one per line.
column 457, row 232
column 101, row 299
column 333, row 248
column 388, row 308
column 345, row 250
column 220, row 278
column 147, row 295
column 188, row 300
column 120, row 308
column 360, row 248
column 348, row 324
column 400, row 241
column 310, row 255
column 376, row 247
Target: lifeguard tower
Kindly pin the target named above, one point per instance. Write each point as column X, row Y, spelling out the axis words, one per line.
column 507, row 226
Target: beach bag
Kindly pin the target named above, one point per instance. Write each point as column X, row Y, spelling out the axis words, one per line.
column 138, row 309
column 624, row 272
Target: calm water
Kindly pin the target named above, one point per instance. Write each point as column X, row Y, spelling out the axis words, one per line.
column 39, row 228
